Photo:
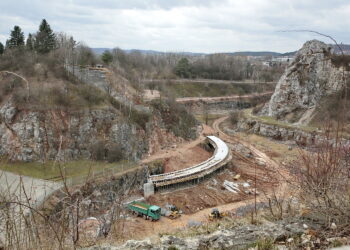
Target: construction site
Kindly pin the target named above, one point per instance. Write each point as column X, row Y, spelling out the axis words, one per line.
column 216, row 176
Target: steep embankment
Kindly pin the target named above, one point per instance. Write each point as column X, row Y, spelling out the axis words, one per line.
column 84, row 116
column 28, row 135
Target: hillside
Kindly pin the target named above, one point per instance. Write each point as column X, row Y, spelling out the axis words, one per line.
column 81, row 113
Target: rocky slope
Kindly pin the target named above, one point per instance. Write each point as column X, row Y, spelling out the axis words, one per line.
column 40, row 133
column 27, row 135
column 310, row 76
column 285, row 232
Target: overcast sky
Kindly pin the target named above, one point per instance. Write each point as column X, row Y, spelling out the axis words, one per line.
column 183, row 25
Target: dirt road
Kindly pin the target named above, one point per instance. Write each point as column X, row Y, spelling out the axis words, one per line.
column 281, row 173
column 221, row 98
column 215, row 81
column 181, row 148
column 225, row 137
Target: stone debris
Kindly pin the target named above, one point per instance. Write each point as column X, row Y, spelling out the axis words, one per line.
column 90, row 227
column 235, row 238
column 231, row 186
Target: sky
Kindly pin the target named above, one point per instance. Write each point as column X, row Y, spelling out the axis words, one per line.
column 207, row 26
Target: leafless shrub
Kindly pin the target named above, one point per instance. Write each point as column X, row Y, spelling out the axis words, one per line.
column 235, row 116
column 98, row 151
column 114, row 153
column 257, row 109
column 323, row 179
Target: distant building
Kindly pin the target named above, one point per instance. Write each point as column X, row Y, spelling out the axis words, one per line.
column 266, row 63
column 282, row 59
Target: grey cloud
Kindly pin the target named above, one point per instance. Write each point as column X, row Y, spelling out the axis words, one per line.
column 175, row 25
column 141, row 4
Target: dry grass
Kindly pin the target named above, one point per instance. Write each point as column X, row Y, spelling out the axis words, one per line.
column 51, row 171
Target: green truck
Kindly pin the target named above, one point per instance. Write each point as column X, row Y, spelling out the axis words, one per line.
column 147, row 211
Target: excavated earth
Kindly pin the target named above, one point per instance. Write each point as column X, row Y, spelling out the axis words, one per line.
column 196, row 201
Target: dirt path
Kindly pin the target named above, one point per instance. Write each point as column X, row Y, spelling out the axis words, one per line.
column 223, row 135
column 181, row 148
column 165, row 225
column 206, row 81
column 221, row 98
column 281, row 172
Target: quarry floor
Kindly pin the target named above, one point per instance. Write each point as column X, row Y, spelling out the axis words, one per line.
column 257, row 160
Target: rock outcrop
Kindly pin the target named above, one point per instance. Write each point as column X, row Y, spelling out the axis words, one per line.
column 39, row 133
column 27, row 135
column 309, row 77
column 234, row 238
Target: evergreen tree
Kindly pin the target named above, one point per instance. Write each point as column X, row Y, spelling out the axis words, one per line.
column 1, row 48
column 16, row 38
column 183, row 68
column 107, row 57
column 30, row 42
column 45, row 39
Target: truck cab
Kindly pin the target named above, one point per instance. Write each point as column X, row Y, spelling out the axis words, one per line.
column 154, row 212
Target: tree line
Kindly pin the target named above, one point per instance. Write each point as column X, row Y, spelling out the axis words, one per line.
column 225, row 67
column 137, row 65
column 43, row 41
column 49, row 48
column 62, row 49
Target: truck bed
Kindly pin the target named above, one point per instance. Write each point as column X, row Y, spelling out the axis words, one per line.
column 139, row 206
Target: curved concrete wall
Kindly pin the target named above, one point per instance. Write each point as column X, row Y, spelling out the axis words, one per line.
column 220, row 157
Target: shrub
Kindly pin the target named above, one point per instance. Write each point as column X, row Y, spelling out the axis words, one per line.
column 114, row 153
column 20, row 96
column 59, row 98
column 323, row 180
column 9, row 85
column 257, row 108
column 91, row 95
column 235, row 116
column 176, row 118
column 98, row 151
column 140, row 118
column 265, row 244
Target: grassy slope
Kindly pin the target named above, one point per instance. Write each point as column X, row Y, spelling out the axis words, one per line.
column 211, row 118
column 272, row 121
column 307, row 128
column 51, row 171
column 198, row 89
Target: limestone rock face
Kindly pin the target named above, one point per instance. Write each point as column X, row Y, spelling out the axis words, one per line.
column 309, row 76
column 27, row 135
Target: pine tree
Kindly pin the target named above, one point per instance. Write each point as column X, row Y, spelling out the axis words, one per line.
column 183, row 68
column 30, row 42
column 1, row 48
column 16, row 38
column 107, row 57
column 45, row 39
